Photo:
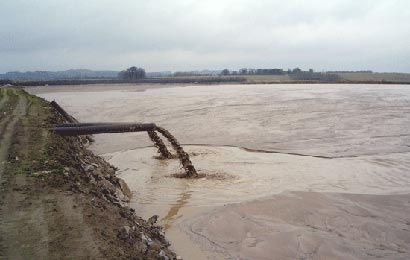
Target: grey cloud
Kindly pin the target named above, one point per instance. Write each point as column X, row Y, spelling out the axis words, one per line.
column 188, row 34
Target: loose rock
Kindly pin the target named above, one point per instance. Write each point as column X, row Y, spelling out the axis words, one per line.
column 124, row 232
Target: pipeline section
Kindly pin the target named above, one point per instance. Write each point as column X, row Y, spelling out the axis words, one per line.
column 78, row 129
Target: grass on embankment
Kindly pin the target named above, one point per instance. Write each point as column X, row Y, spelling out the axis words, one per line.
column 29, row 152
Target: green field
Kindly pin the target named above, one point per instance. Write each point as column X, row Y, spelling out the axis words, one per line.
column 378, row 77
column 344, row 77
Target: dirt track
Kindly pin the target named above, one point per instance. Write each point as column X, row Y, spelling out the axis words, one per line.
column 58, row 200
column 10, row 115
column 31, row 222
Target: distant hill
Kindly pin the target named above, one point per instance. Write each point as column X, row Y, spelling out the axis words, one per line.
column 49, row 75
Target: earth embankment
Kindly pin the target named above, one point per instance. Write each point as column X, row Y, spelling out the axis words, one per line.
column 58, row 200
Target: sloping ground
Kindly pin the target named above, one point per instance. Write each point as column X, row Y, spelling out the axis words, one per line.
column 309, row 225
column 58, row 200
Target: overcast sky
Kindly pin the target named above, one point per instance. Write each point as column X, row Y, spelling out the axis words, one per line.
column 189, row 35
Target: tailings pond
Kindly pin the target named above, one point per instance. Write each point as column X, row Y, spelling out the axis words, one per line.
column 251, row 141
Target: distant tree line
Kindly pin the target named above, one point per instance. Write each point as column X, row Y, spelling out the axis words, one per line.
column 315, row 76
column 246, row 71
column 162, row 80
column 132, row 74
column 294, row 74
column 196, row 73
column 351, row 71
column 185, row 74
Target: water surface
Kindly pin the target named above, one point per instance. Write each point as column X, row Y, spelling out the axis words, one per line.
column 259, row 139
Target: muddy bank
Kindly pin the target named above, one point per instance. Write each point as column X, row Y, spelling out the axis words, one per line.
column 307, row 225
column 60, row 201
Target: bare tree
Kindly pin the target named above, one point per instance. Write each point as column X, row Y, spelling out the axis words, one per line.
column 132, row 73
column 243, row 71
column 225, row 72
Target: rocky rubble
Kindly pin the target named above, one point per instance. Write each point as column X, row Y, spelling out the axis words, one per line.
column 92, row 178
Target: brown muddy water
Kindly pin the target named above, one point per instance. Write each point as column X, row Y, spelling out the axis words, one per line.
column 252, row 141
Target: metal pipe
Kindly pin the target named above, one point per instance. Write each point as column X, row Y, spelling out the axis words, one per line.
column 63, row 113
column 92, row 124
column 100, row 129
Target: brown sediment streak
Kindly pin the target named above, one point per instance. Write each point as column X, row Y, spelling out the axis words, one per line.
column 183, row 156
